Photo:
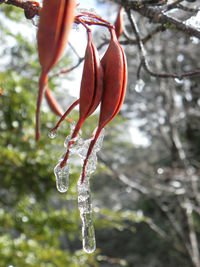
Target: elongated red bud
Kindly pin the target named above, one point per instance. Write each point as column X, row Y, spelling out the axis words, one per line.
column 56, row 18
column 115, row 81
column 53, row 104
column 92, row 81
column 91, row 88
column 119, row 22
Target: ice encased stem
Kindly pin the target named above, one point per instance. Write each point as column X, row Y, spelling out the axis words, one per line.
column 80, row 147
column 85, row 207
column 84, row 197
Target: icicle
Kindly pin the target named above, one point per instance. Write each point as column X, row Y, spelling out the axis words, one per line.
column 80, row 147
column 62, row 177
column 91, row 164
column 85, row 207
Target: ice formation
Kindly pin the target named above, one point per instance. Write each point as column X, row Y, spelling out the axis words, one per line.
column 80, row 148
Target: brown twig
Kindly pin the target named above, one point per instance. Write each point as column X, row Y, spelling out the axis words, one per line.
column 24, row 5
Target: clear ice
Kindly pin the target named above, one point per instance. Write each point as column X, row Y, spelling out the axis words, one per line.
column 85, row 208
column 62, row 177
column 84, row 197
column 80, row 148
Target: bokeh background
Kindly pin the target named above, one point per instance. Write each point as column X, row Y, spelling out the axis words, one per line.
column 145, row 191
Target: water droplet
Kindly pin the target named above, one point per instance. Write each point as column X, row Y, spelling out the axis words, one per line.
column 139, row 85
column 52, row 134
column 62, row 177
column 179, row 81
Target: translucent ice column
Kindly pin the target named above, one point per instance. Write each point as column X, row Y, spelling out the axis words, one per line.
column 85, row 207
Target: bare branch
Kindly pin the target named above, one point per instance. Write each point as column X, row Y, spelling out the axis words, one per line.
column 143, row 54
column 24, row 5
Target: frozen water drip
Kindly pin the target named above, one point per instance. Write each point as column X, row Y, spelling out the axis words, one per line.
column 62, row 177
column 85, row 207
column 52, row 134
column 80, row 147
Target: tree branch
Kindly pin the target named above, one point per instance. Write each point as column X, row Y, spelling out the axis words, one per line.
column 27, row 6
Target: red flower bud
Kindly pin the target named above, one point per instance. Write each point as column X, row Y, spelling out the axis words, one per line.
column 115, row 80
column 119, row 22
column 56, row 19
column 91, row 88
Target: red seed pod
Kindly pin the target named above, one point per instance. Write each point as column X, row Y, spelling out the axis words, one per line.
column 92, row 81
column 97, row 92
column 91, row 88
column 53, row 104
column 56, row 18
column 115, row 81
column 119, row 22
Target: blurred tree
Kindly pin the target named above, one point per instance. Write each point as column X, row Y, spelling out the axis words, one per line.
column 163, row 97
